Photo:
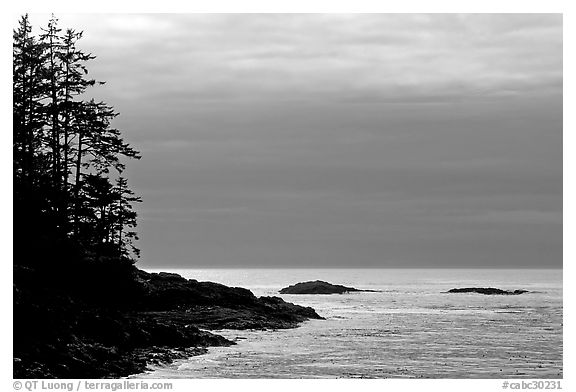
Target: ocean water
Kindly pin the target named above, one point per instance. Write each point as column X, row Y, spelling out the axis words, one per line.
column 411, row 329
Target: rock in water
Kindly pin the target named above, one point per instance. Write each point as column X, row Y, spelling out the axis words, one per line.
column 318, row 287
column 487, row 291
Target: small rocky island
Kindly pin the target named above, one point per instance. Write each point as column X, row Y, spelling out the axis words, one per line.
column 487, row 291
column 319, row 287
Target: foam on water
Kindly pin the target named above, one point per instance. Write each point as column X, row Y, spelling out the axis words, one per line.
column 412, row 328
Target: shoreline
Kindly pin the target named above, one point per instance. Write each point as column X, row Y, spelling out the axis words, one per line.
column 156, row 318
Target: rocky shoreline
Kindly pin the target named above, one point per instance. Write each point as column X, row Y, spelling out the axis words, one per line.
column 148, row 318
column 109, row 319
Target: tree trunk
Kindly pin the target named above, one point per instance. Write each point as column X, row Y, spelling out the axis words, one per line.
column 77, row 187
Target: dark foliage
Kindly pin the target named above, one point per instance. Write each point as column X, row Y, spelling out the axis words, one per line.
column 81, row 307
column 67, row 157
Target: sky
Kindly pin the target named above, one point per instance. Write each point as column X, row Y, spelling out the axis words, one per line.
column 342, row 140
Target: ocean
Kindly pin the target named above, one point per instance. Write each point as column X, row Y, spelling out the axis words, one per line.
column 411, row 329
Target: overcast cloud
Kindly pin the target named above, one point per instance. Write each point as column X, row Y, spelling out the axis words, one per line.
column 339, row 140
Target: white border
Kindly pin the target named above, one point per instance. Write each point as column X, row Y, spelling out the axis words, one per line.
column 12, row 11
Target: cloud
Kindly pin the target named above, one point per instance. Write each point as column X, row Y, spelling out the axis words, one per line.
column 309, row 56
column 342, row 140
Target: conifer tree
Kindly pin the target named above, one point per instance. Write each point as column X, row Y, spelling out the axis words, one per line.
column 67, row 154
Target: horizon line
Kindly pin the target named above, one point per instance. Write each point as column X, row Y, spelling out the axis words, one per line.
column 343, row 267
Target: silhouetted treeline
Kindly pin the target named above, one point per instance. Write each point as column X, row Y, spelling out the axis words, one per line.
column 67, row 157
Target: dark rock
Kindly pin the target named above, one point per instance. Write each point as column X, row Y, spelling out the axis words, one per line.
column 68, row 333
column 487, row 291
column 319, row 287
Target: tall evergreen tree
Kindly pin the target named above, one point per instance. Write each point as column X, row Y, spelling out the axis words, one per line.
column 74, row 84
column 67, row 154
column 28, row 59
column 123, row 233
